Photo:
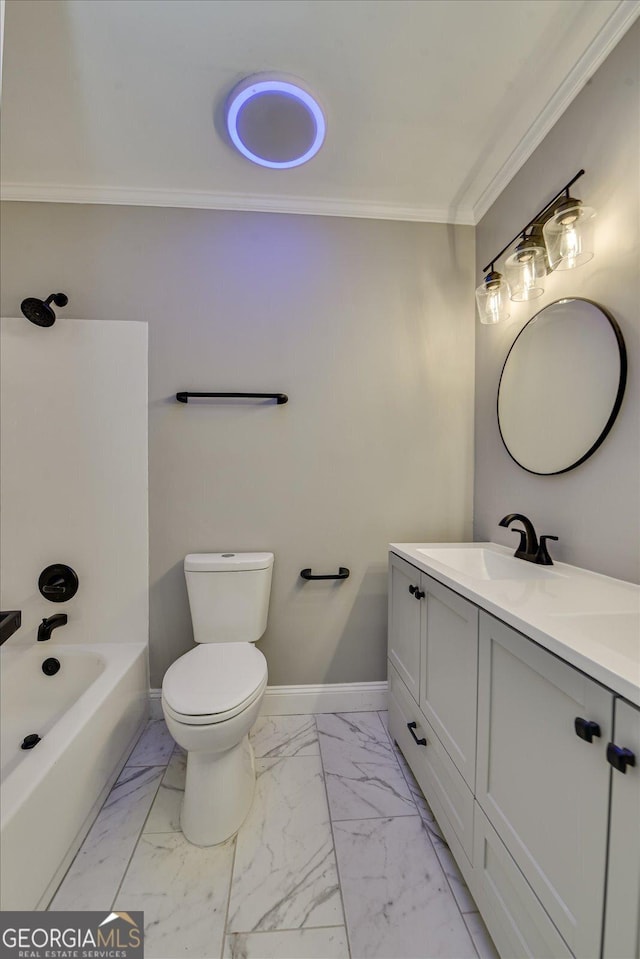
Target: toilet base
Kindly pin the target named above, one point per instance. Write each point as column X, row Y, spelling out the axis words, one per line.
column 218, row 793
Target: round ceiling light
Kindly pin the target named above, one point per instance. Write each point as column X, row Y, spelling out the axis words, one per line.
column 274, row 122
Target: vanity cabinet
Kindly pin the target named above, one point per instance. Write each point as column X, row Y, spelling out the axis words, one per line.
column 622, row 915
column 544, row 789
column 405, row 613
column 433, row 646
column 509, row 745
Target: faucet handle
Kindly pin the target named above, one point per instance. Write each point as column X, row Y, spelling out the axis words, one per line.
column 542, row 556
column 522, row 547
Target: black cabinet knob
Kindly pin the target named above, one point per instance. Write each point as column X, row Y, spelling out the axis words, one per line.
column 413, row 590
column 586, row 729
column 419, row 594
column 619, row 757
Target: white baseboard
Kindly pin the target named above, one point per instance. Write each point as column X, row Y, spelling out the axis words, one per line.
column 325, row 698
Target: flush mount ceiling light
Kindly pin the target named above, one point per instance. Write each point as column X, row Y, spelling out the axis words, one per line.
column 274, row 122
column 560, row 238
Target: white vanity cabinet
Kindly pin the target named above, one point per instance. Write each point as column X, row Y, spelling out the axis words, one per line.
column 433, row 646
column 622, row 915
column 509, row 743
column 405, row 613
column 544, row 789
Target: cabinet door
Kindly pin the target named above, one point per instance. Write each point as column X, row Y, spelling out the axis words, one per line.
column 449, row 672
column 622, row 916
column 404, row 621
column 544, row 789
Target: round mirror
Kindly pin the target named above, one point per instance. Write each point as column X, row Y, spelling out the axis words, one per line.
column 561, row 387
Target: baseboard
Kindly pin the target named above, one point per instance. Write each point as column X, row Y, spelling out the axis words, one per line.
column 325, row 698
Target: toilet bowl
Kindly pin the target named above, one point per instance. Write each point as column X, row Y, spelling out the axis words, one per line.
column 212, row 695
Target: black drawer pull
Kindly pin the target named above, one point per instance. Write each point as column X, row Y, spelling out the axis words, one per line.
column 619, row 757
column 586, row 729
column 418, row 742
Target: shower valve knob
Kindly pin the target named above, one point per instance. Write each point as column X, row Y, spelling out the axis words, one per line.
column 58, row 583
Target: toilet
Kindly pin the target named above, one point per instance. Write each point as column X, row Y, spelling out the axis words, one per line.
column 212, row 695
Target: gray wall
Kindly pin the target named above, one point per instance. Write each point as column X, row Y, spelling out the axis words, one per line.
column 594, row 509
column 367, row 325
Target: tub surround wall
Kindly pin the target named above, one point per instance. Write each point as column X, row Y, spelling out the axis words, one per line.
column 367, row 325
column 594, row 509
column 74, row 474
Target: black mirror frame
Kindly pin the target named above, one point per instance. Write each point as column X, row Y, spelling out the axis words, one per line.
column 622, row 382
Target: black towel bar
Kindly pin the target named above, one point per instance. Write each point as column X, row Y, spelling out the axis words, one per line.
column 343, row 573
column 280, row 398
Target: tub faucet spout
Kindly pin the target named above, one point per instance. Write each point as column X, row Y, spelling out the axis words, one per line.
column 47, row 626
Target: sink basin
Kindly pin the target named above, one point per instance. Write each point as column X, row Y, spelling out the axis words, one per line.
column 484, row 563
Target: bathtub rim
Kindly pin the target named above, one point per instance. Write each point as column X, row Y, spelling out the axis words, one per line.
column 25, row 778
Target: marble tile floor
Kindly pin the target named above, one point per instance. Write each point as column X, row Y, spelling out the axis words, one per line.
column 339, row 857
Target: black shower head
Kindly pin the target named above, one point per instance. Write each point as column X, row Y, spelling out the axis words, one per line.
column 39, row 311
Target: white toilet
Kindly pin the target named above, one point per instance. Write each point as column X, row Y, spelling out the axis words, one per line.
column 211, row 696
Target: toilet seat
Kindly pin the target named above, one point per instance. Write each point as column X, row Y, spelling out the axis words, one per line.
column 214, row 682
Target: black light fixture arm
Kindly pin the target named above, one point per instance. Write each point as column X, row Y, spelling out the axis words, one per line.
column 534, row 219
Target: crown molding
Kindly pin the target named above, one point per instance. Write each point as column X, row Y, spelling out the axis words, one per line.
column 596, row 53
column 254, row 203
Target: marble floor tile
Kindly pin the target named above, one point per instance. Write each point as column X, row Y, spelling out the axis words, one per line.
column 397, row 900
column 274, row 736
column 183, row 891
column 362, row 774
column 285, row 873
column 329, row 943
column 433, row 830
column 165, row 812
column 154, row 747
column 360, row 736
column 480, row 935
column 459, row 888
column 97, row 870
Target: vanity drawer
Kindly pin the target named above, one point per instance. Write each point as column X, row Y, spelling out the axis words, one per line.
column 438, row 777
column 518, row 924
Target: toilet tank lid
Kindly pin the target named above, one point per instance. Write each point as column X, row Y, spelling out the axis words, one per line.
column 226, row 562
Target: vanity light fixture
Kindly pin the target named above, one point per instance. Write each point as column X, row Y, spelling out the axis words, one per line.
column 492, row 297
column 274, row 122
column 526, row 268
column 558, row 237
column 568, row 234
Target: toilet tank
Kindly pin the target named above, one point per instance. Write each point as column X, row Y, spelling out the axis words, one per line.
column 228, row 595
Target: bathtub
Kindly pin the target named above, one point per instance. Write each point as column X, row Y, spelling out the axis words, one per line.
column 89, row 715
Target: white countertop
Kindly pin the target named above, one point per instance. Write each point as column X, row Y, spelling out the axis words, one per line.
column 589, row 620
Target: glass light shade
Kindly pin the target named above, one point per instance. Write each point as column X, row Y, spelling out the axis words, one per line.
column 492, row 297
column 568, row 235
column 526, row 269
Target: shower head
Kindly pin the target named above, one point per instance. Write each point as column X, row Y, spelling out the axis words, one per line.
column 39, row 311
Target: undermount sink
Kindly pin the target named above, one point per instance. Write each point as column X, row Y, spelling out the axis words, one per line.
column 484, row 563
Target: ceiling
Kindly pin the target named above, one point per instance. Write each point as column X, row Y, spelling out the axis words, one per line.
column 431, row 105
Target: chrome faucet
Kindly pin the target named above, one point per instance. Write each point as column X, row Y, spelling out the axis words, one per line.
column 47, row 626
column 529, row 549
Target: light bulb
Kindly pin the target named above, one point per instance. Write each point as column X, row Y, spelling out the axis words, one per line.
column 526, row 269
column 568, row 235
column 492, row 297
